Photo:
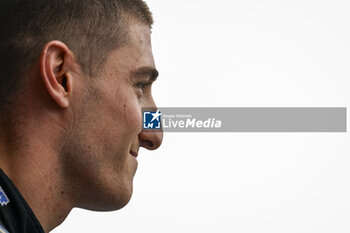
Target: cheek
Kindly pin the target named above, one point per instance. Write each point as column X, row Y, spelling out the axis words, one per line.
column 132, row 119
column 131, row 115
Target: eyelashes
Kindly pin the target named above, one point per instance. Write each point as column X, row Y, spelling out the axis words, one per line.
column 141, row 85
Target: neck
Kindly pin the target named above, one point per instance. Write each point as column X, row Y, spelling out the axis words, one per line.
column 35, row 169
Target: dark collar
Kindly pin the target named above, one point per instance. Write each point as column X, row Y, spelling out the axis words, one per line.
column 15, row 213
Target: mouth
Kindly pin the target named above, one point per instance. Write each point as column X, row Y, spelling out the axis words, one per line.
column 133, row 153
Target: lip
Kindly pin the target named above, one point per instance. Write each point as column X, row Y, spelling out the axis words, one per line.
column 133, row 153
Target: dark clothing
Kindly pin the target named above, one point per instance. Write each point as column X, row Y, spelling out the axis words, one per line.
column 15, row 214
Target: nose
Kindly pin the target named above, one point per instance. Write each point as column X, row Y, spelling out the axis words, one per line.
column 151, row 140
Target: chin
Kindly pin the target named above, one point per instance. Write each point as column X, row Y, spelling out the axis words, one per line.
column 120, row 201
column 109, row 200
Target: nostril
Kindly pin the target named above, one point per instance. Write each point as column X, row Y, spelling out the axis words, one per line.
column 150, row 140
column 147, row 144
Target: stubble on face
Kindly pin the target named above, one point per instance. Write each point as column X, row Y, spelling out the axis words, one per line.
column 97, row 158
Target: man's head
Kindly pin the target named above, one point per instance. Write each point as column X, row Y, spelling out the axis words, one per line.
column 80, row 73
column 90, row 29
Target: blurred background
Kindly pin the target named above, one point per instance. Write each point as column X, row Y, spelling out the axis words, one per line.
column 249, row 53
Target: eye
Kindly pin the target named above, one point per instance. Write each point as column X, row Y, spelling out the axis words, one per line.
column 141, row 85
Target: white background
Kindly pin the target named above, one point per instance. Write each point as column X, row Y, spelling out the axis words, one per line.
column 243, row 54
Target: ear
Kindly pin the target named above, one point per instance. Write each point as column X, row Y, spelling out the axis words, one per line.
column 55, row 66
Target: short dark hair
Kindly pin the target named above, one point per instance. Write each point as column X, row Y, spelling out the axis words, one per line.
column 90, row 28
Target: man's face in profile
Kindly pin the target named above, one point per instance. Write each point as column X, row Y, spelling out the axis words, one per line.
column 100, row 156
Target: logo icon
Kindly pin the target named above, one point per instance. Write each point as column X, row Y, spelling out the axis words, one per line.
column 152, row 120
column 4, row 200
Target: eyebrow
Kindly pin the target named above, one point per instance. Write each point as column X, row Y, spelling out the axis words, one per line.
column 147, row 71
